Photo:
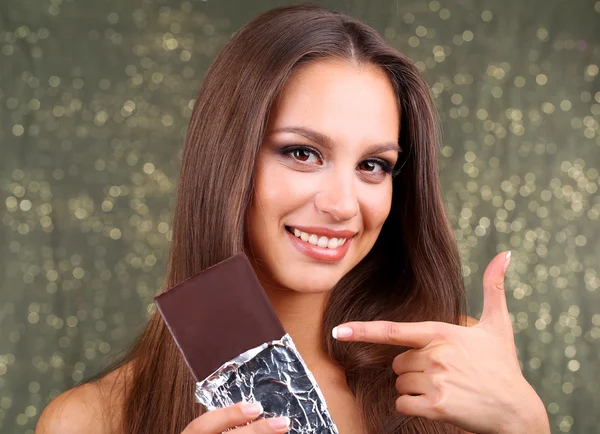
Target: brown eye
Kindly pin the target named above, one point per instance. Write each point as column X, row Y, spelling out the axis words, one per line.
column 369, row 166
column 376, row 167
column 301, row 154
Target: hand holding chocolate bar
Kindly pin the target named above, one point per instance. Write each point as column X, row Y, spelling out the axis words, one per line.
column 225, row 419
column 238, row 351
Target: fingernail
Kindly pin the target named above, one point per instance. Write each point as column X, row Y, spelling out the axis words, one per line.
column 507, row 260
column 279, row 422
column 252, row 409
column 341, row 332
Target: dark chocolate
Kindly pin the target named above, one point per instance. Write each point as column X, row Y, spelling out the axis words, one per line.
column 219, row 314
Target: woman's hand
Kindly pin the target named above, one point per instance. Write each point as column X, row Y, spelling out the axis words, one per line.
column 466, row 376
column 219, row 420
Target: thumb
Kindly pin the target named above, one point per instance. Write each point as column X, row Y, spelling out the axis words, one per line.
column 495, row 311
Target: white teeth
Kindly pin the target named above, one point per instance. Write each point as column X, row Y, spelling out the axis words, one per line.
column 322, row 241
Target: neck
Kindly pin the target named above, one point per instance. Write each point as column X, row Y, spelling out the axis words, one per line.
column 302, row 317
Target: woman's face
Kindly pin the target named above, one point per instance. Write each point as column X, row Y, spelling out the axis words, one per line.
column 322, row 183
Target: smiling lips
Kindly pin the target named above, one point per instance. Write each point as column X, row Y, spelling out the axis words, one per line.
column 324, row 245
column 321, row 241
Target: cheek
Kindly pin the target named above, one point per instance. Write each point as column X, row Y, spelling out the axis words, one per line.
column 282, row 190
column 278, row 191
column 376, row 207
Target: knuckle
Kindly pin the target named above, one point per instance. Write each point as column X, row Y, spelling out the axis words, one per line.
column 359, row 330
column 435, row 360
column 403, row 406
column 440, row 331
column 403, row 361
column 206, row 423
column 446, row 352
column 499, row 286
column 390, row 331
column 263, row 427
column 439, row 358
column 236, row 411
column 259, row 427
column 398, row 384
column 439, row 405
column 438, row 382
column 402, row 385
column 397, row 364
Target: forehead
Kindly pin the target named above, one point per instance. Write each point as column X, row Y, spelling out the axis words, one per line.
column 336, row 95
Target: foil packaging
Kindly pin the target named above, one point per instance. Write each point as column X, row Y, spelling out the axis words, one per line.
column 275, row 375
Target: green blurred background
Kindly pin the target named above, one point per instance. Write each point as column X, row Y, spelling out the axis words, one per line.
column 95, row 98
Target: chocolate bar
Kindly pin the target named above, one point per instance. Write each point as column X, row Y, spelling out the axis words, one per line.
column 236, row 348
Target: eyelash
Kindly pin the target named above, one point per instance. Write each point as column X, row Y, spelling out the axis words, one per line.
column 385, row 165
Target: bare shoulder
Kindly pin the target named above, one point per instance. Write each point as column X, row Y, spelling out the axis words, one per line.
column 93, row 408
column 468, row 321
column 76, row 410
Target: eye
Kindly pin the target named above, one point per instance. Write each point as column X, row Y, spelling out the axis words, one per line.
column 302, row 154
column 376, row 166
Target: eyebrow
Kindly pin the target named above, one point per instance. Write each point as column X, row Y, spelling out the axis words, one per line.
column 327, row 142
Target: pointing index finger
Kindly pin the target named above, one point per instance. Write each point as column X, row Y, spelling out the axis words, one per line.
column 409, row 334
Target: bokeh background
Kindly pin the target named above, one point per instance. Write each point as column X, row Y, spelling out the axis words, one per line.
column 95, row 98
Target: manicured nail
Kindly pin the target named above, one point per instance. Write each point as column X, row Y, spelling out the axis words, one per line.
column 341, row 332
column 279, row 422
column 252, row 409
column 507, row 260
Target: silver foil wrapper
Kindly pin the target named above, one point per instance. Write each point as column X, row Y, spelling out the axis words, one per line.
column 275, row 375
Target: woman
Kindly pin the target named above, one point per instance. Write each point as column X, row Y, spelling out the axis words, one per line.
column 312, row 146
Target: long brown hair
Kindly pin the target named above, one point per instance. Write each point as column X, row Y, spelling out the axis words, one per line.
column 411, row 274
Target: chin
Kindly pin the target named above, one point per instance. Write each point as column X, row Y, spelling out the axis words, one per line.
column 309, row 278
column 315, row 285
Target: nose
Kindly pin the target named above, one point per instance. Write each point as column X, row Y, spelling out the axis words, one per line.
column 337, row 197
